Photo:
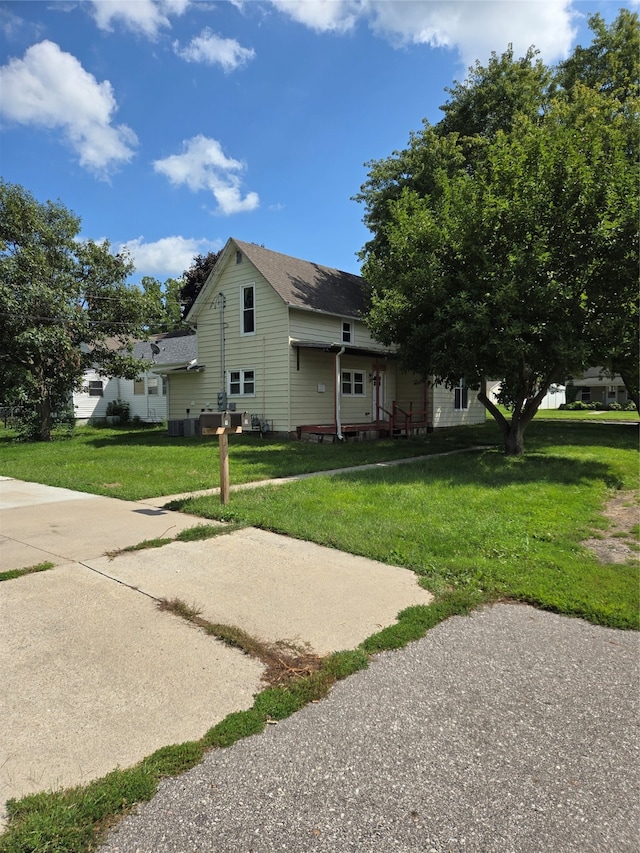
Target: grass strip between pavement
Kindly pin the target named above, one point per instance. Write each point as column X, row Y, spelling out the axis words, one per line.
column 74, row 820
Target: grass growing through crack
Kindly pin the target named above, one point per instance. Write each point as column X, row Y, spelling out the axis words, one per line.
column 191, row 534
column 283, row 661
column 74, row 821
column 29, row 570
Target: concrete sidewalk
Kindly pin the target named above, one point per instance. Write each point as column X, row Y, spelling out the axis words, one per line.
column 95, row 676
column 44, row 523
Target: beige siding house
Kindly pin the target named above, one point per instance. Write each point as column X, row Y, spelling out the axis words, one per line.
column 283, row 339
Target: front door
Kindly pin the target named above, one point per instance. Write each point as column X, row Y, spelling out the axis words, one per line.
column 377, row 390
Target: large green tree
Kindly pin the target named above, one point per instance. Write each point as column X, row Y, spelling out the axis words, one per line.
column 194, row 279
column 165, row 304
column 64, row 306
column 505, row 237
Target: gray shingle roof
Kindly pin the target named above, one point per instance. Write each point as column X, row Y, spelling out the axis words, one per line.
column 303, row 284
column 174, row 348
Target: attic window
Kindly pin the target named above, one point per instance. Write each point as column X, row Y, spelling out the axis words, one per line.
column 238, row 257
column 347, row 332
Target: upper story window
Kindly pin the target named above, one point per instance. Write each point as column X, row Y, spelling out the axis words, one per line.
column 347, row 332
column 248, row 309
column 461, row 396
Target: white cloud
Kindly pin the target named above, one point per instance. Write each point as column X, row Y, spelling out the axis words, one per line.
column 474, row 28
column 204, row 166
column 212, row 49
column 169, row 256
column 50, row 88
column 145, row 17
column 323, row 15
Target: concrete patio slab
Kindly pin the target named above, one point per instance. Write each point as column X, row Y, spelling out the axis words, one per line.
column 274, row 587
column 94, row 677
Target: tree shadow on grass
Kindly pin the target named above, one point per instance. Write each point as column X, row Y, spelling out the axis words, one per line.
column 491, row 469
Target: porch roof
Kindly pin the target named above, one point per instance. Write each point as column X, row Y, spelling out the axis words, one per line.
column 335, row 346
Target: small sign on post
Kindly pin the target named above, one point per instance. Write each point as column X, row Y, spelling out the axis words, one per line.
column 224, row 424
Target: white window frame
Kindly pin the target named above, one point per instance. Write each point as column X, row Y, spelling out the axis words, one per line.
column 461, row 396
column 153, row 390
column 243, row 381
column 349, row 383
column 347, row 332
column 243, row 289
column 139, row 386
column 96, row 388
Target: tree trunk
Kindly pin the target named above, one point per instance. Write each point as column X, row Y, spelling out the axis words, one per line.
column 43, row 408
column 631, row 385
column 512, row 431
column 514, row 440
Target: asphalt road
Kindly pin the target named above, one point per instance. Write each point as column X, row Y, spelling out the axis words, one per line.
column 509, row 731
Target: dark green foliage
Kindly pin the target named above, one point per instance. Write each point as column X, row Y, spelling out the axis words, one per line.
column 62, row 304
column 505, row 237
column 195, row 278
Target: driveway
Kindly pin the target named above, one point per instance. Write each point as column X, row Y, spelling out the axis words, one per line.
column 95, row 676
column 508, row 731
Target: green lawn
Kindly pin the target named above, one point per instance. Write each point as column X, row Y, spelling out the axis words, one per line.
column 474, row 526
column 479, row 522
column 141, row 463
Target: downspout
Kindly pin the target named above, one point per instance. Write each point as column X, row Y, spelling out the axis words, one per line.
column 219, row 302
column 339, row 435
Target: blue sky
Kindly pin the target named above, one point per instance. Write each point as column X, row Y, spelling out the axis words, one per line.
column 170, row 125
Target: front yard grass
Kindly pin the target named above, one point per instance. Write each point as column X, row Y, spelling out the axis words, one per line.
column 478, row 522
column 133, row 463
column 475, row 527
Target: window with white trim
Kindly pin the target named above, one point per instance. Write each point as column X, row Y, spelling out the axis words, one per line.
column 461, row 396
column 353, row 383
column 248, row 309
column 241, row 383
column 96, row 388
column 138, row 386
column 152, row 387
column 347, row 332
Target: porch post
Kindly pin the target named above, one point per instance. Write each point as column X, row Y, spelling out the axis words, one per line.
column 336, row 380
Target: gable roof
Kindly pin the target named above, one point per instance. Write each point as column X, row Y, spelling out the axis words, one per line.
column 300, row 284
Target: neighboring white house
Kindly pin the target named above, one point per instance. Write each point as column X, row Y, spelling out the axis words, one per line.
column 284, row 340
column 147, row 394
column 553, row 399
